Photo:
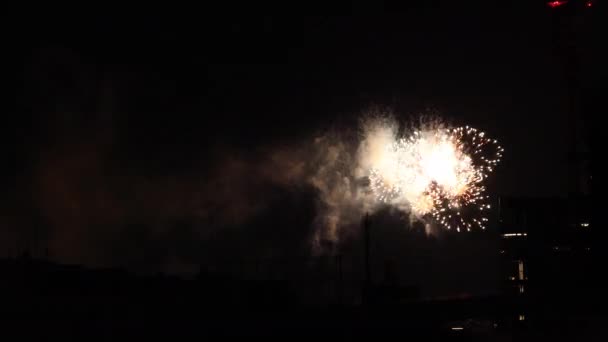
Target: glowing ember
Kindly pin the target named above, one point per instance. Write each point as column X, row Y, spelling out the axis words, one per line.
column 556, row 3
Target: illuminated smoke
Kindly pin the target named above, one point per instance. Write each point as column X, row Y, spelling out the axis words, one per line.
column 432, row 173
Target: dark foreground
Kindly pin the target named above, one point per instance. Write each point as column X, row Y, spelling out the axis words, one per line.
column 181, row 315
column 43, row 300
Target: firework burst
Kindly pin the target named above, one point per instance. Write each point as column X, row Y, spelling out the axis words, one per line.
column 438, row 173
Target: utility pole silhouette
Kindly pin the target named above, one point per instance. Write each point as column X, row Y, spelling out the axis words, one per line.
column 368, row 271
column 339, row 280
column 568, row 29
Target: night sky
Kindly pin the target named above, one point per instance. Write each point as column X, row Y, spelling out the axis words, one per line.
column 127, row 130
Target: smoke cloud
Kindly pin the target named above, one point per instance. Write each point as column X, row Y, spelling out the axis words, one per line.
column 102, row 185
column 95, row 208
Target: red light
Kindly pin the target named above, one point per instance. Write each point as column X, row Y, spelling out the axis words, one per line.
column 557, row 3
column 589, row 3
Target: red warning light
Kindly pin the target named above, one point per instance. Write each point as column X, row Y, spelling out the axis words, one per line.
column 557, row 3
column 589, row 3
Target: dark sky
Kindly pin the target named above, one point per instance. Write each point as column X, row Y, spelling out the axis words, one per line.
column 140, row 103
column 258, row 74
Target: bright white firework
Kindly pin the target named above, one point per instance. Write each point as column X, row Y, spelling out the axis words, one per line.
column 438, row 173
